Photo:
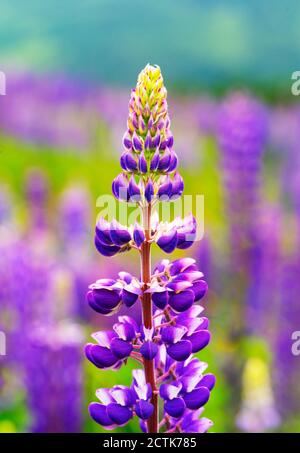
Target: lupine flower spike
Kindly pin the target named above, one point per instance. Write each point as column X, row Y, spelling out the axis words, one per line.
column 173, row 327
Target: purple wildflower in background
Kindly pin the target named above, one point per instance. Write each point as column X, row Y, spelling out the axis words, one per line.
column 266, row 275
column 173, row 327
column 242, row 131
column 37, row 192
column 287, row 364
column 47, row 111
column 54, row 378
column 74, row 230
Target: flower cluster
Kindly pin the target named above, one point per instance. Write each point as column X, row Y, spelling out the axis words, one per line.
column 173, row 327
column 112, row 237
column 242, row 133
column 176, row 324
column 148, row 161
column 120, row 403
column 171, row 342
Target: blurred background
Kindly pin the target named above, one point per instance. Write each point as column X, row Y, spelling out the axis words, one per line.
column 69, row 67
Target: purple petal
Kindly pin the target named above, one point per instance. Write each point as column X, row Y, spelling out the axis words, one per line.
column 169, row 391
column 96, row 307
column 181, row 301
column 149, row 350
column 106, row 298
column 175, row 408
column 126, row 277
column 99, row 415
column 164, row 161
column 143, row 426
column 127, row 141
column 148, row 141
column 180, row 351
column 170, row 141
column 125, row 330
column 138, row 235
column 160, row 299
column 142, row 164
column 123, row 161
column 134, row 192
column 196, row 426
column 144, row 409
column 181, row 265
column 156, row 140
column 130, row 162
column 165, row 189
column 106, row 250
column 122, row 395
column 149, row 191
column 154, row 161
column 199, row 289
column 120, row 348
column 129, row 298
column 183, row 244
column 104, row 337
column 172, row 334
column 178, row 285
column 173, row 162
column 102, row 232
column 188, row 276
column 99, row 356
column 168, row 242
column 204, row 323
column 119, row 235
column 137, row 143
column 197, row 398
column 118, row 414
column 177, row 186
column 207, row 381
column 120, row 187
column 199, row 340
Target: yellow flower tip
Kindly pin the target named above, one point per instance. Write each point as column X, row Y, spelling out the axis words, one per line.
column 149, row 77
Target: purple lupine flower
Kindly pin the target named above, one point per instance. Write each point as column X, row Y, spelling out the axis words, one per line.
column 242, row 131
column 36, row 189
column 74, row 213
column 55, row 391
column 266, row 275
column 287, row 365
column 74, row 229
column 47, row 111
column 168, row 336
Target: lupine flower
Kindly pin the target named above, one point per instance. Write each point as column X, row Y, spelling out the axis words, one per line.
column 51, row 111
column 75, row 250
column 106, row 295
column 266, row 275
column 120, row 403
column 287, row 366
column 37, row 190
column 242, row 132
column 55, row 391
column 168, row 336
